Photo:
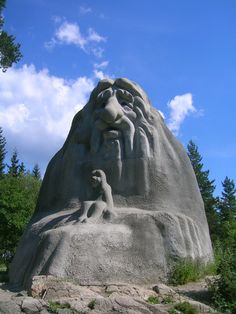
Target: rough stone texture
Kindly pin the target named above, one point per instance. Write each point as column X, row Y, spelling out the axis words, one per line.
column 107, row 299
column 118, row 202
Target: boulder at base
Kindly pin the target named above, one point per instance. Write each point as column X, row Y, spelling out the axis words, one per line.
column 119, row 202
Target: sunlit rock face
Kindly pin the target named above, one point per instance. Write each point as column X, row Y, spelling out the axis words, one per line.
column 123, row 179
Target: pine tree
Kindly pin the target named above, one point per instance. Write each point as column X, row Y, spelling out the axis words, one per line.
column 227, row 203
column 206, row 187
column 36, row 172
column 13, row 169
column 22, row 169
column 2, row 152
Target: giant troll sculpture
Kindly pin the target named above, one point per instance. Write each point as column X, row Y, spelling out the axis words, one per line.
column 119, row 201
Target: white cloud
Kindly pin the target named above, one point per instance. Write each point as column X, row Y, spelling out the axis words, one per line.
column 99, row 74
column 101, row 65
column 98, row 52
column 94, row 36
column 85, row 10
column 36, row 110
column 70, row 34
column 180, row 107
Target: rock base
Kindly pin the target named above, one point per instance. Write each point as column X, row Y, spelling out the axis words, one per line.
column 136, row 248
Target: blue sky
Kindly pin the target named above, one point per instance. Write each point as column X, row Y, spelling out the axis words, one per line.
column 181, row 52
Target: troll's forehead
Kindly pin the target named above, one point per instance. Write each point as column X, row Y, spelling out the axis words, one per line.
column 119, row 84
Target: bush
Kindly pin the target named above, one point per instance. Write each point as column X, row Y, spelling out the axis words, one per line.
column 223, row 287
column 187, row 270
column 184, row 307
column 153, row 300
column 54, row 306
column 18, row 197
column 91, row 304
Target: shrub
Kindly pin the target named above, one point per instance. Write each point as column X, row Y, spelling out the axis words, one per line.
column 186, row 270
column 167, row 299
column 185, row 308
column 91, row 304
column 223, row 287
column 54, row 306
column 153, row 300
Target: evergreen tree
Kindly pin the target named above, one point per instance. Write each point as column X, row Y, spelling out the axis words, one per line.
column 2, row 152
column 13, row 169
column 36, row 172
column 206, row 187
column 9, row 50
column 227, row 203
column 22, row 169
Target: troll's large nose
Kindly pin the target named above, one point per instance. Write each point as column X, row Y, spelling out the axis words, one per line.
column 111, row 111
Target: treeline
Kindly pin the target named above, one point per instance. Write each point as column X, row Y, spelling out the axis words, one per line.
column 221, row 217
column 19, row 190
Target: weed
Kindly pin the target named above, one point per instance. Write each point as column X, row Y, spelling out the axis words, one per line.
column 153, row 300
column 185, row 308
column 54, row 306
column 91, row 304
column 167, row 300
column 186, row 270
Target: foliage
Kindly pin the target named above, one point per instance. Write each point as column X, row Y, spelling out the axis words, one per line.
column 14, row 167
column 186, row 308
column 22, row 169
column 206, row 187
column 18, row 197
column 2, row 152
column 9, row 50
column 168, row 299
column 3, row 273
column 186, row 270
column 54, row 306
column 223, row 287
column 153, row 300
column 227, row 211
column 36, row 172
column 91, row 304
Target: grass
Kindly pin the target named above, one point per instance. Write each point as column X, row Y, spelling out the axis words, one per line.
column 167, row 300
column 187, row 270
column 153, row 300
column 183, row 307
column 54, row 306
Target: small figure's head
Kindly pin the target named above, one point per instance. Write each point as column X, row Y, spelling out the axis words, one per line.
column 98, row 176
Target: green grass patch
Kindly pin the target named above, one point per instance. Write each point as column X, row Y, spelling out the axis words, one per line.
column 167, row 299
column 187, row 270
column 183, row 307
column 91, row 304
column 153, row 300
column 54, row 306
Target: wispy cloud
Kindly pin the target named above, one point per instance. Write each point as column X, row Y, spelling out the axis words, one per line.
column 101, row 65
column 180, row 107
column 70, row 34
column 85, row 10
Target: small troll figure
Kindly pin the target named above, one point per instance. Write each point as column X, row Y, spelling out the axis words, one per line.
column 102, row 205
